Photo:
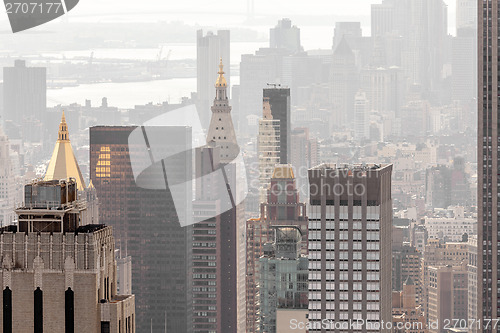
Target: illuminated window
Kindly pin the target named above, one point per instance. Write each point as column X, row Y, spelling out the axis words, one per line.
column 103, row 169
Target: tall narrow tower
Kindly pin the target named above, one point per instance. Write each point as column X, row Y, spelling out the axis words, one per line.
column 228, row 232
column 221, row 129
column 488, row 142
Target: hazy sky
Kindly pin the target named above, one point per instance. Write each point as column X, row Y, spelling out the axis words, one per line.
column 221, row 13
column 311, row 7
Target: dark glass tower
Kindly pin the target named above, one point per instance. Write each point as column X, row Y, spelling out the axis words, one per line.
column 146, row 222
column 279, row 99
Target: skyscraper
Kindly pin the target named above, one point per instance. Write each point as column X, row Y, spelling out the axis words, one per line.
column 350, row 224
column 361, row 116
column 349, row 31
column 488, row 186
column 464, row 64
column 268, row 148
column 304, row 155
column 466, row 14
column 147, row 221
column 210, row 48
column 279, row 100
column 7, row 182
column 221, row 129
column 285, row 36
column 344, row 83
column 24, row 100
column 61, row 275
column 226, row 230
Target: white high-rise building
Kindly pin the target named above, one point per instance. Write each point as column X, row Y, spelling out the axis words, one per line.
column 361, row 116
column 466, row 14
column 7, row 183
column 268, row 146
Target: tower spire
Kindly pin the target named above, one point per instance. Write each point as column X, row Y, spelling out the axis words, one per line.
column 63, row 164
column 221, row 80
column 63, row 129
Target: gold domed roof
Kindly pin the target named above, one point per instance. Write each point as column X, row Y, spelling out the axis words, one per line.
column 221, row 80
column 283, row 171
column 63, row 164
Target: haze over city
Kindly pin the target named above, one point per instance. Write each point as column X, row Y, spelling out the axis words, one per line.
column 249, row 166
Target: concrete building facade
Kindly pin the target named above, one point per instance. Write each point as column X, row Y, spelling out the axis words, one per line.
column 350, row 224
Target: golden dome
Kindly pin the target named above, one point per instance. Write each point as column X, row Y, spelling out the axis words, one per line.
column 63, row 164
column 221, row 80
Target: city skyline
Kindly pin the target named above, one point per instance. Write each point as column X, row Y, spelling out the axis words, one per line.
column 251, row 169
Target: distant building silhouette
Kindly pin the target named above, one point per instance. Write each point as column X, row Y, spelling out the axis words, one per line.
column 7, row 185
column 210, row 48
column 285, row 36
column 344, row 83
column 24, row 101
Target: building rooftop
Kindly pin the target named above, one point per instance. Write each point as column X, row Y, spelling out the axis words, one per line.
column 353, row 167
column 283, row 171
column 63, row 164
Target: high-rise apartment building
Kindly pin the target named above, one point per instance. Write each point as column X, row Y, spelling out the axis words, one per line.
column 210, row 48
column 147, row 221
column 58, row 271
column 24, row 101
column 488, row 142
column 268, row 148
column 350, row 224
column 282, row 207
